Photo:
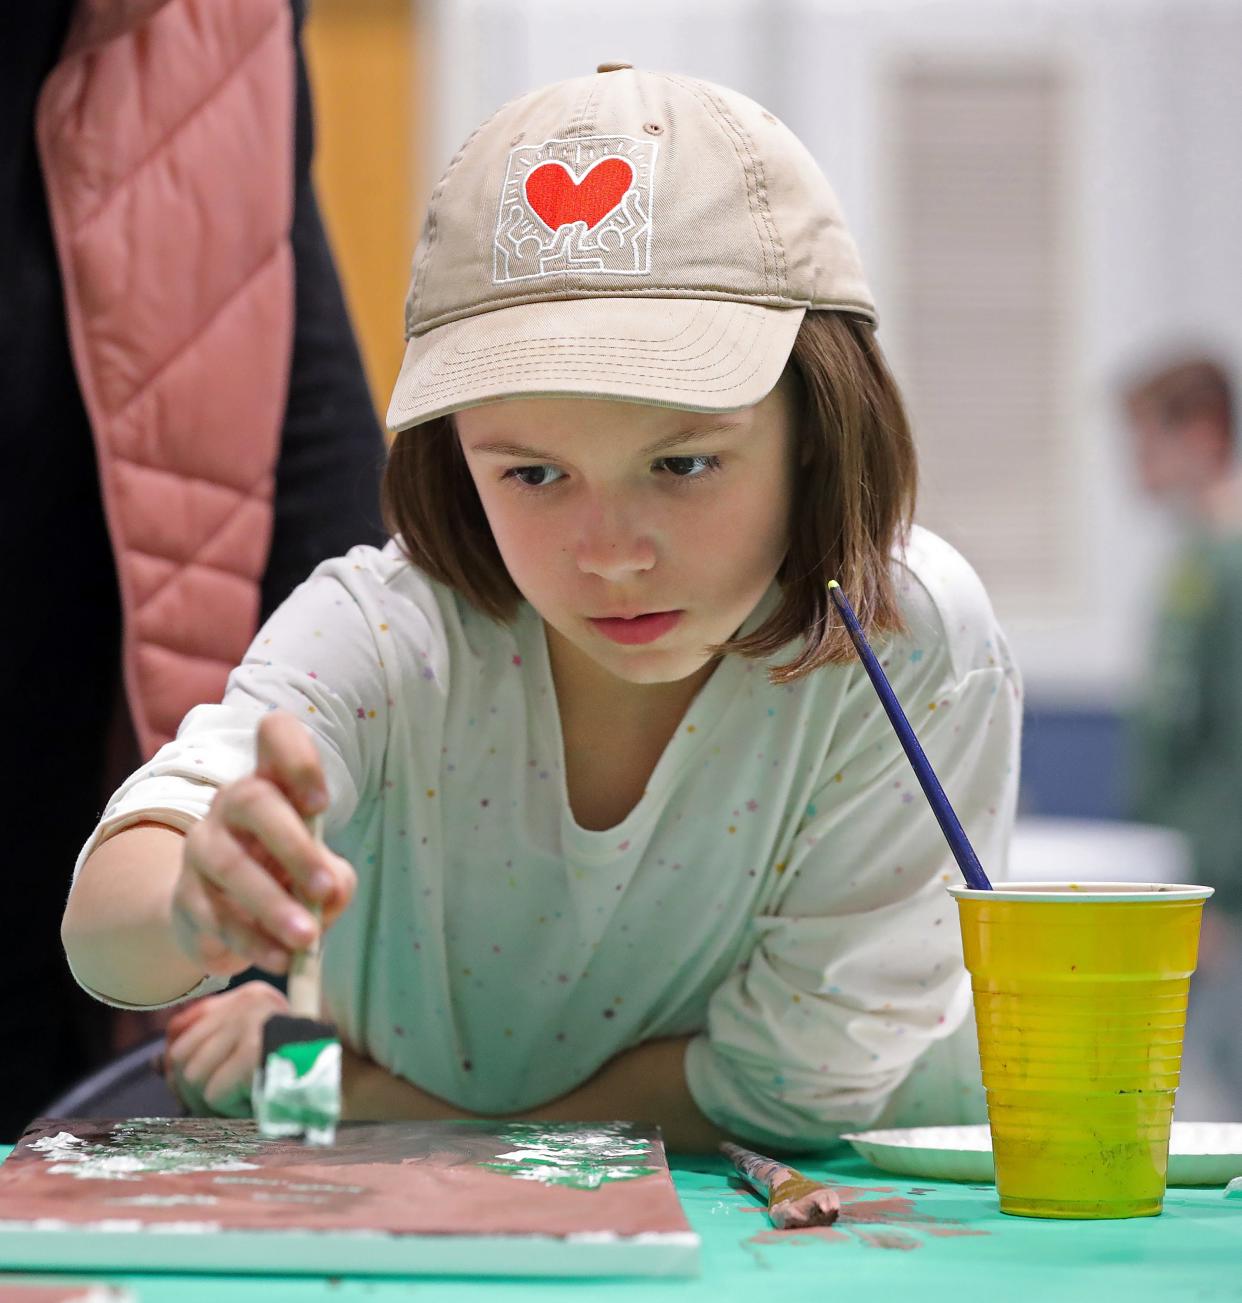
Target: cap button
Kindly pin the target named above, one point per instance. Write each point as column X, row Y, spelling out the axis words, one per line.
column 613, row 67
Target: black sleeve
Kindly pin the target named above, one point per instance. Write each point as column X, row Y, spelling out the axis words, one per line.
column 332, row 450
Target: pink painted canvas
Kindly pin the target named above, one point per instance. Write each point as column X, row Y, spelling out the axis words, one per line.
column 490, row 1198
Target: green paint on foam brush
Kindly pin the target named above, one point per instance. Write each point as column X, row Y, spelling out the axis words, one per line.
column 298, row 1091
column 297, row 1086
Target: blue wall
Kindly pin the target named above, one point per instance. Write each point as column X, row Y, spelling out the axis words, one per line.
column 1073, row 763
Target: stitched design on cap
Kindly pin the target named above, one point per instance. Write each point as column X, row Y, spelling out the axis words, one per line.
column 576, row 207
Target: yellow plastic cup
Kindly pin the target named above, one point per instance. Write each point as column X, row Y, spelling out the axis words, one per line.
column 1080, row 1001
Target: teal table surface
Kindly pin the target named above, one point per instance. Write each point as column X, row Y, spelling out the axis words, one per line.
column 897, row 1237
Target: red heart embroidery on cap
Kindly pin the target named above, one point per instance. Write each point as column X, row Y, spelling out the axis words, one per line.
column 558, row 199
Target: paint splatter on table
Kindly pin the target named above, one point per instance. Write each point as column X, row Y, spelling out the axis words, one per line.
column 877, row 1216
column 213, row 1195
column 1187, row 1255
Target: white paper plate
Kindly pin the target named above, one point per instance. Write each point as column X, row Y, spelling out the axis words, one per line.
column 1200, row 1153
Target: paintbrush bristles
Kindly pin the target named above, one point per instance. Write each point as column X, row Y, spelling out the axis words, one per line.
column 794, row 1201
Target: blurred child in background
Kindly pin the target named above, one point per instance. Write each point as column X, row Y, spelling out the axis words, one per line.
column 1186, row 729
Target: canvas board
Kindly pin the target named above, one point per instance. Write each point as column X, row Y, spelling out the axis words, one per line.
column 389, row 1198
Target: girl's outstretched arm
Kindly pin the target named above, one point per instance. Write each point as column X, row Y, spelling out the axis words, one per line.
column 117, row 928
column 645, row 1084
column 152, row 911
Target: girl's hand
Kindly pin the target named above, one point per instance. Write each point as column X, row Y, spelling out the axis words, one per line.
column 214, row 1045
column 247, row 867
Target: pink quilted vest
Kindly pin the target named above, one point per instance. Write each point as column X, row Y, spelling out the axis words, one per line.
column 166, row 139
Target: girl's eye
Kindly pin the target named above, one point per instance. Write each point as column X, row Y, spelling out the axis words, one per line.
column 691, row 468
column 532, row 477
column 680, row 468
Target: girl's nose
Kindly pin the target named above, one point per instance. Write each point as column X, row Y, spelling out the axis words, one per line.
column 612, row 546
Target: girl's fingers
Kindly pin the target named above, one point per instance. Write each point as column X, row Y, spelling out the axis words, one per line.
column 242, row 936
column 184, row 1047
column 227, row 1093
column 183, row 1019
column 227, row 1090
column 196, row 926
column 177, row 1042
column 261, row 855
column 251, row 864
column 214, row 933
column 214, row 1012
column 288, row 757
column 207, row 1056
column 344, row 878
column 346, row 882
column 221, row 863
column 194, row 1054
column 212, row 1063
column 256, row 808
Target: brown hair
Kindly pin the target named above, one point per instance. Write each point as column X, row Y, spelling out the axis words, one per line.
column 853, row 503
column 1182, row 390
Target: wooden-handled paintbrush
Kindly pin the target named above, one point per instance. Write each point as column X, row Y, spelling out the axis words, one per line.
column 297, row 1085
column 794, row 1201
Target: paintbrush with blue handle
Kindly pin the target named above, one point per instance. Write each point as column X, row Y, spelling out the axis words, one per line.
column 955, row 834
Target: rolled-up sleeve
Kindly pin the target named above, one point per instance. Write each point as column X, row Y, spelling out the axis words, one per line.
column 856, row 965
column 319, row 657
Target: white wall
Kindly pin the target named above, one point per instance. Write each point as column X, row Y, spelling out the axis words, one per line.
column 1155, row 203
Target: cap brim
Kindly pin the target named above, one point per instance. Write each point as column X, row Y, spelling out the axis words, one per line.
column 707, row 355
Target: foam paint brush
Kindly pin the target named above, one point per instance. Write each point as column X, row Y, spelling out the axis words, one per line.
column 297, row 1085
column 794, row 1200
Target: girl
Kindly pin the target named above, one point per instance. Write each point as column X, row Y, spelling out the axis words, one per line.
column 632, row 836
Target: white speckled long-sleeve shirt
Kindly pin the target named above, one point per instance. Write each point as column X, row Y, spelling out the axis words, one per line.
column 778, row 893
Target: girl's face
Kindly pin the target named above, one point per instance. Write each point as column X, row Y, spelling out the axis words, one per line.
column 605, row 510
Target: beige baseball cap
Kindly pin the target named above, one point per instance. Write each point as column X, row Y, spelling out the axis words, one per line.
column 631, row 235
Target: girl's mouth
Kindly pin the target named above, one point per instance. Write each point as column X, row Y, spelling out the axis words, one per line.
column 639, row 629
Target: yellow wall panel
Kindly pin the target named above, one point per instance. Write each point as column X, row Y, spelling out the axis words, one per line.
column 362, row 56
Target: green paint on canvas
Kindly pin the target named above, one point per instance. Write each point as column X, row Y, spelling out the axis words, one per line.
column 143, row 1145
column 583, row 1158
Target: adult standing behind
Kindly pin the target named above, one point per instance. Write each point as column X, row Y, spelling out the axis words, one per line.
column 163, row 272
column 1186, row 730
